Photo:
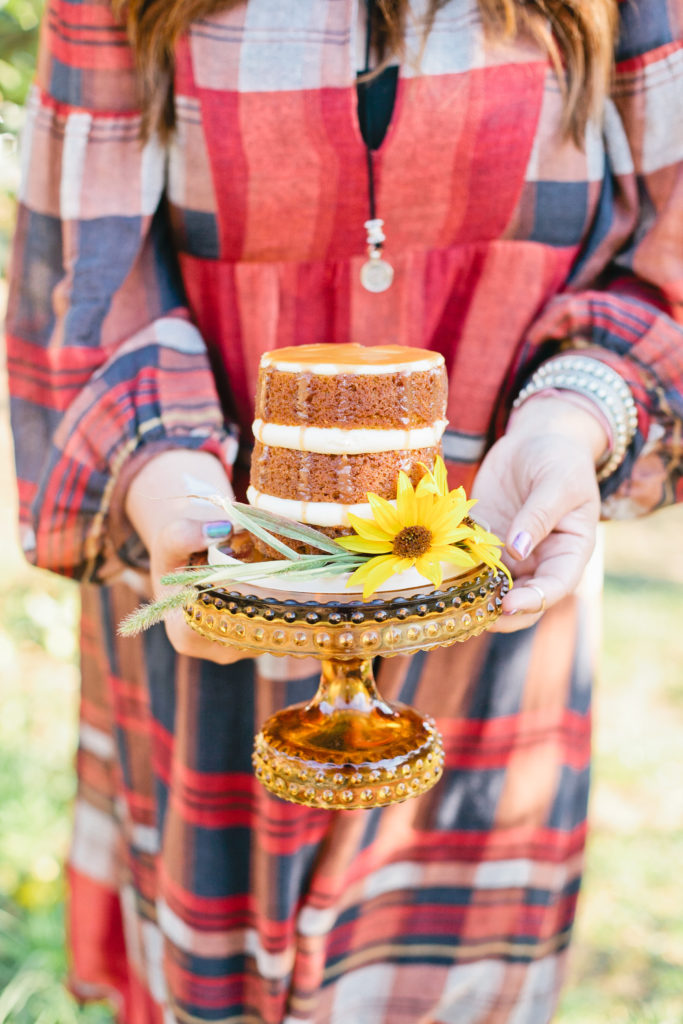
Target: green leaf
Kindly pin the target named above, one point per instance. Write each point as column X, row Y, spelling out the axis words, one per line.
column 149, row 614
column 242, row 519
column 246, row 571
column 190, row 575
column 288, row 528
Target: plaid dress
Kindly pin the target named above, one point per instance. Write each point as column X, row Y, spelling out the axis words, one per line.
column 146, row 284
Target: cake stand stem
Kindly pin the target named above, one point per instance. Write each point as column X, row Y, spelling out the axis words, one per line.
column 348, row 747
column 348, row 685
column 346, row 723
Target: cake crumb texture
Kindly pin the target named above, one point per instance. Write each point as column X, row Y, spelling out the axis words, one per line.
column 396, row 400
column 346, row 479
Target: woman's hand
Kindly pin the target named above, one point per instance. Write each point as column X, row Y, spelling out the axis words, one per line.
column 537, row 490
column 171, row 527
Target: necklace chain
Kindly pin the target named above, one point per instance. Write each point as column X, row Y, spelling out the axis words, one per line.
column 376, row 274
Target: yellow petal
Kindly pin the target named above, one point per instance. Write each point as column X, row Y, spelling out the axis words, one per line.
column 456, row 556
column 368, row 528
column 440, row 475
column 379, row 576
column 384, row 514
column 374, row 573
column 426, row 507
column 451, row 536
column 402, row 564
column 363, row 544
column 442, row 517
column 430, row 568
column 490, row 556
column 406, row 505
column 482, row 536
column 425, row 484
column 362, row 571
column 459, row 507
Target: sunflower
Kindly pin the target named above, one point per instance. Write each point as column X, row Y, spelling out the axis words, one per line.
column 427, row 527
column 486, row 547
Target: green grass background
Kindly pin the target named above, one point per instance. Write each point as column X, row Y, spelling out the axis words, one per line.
column 627, row 960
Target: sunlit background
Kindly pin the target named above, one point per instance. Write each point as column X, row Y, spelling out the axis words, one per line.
column 627, row 964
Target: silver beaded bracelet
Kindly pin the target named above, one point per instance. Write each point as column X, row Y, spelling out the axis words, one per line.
column 601, row 384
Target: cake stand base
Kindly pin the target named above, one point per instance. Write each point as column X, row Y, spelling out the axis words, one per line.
column 348, row 747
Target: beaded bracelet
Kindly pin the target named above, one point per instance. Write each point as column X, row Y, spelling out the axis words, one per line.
column 604, row 387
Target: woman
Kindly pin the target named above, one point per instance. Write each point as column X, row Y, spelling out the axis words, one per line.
column 526, row 216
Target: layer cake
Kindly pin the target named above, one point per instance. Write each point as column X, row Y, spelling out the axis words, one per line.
column 336, row 421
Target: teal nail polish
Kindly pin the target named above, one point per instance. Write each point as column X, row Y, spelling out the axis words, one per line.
column 216, row 530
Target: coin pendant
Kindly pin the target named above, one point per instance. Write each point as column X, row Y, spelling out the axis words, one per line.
column 376, row 275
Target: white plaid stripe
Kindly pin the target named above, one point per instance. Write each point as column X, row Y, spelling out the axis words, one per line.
column 361, row 996
column 152, row 174
column 539, row 993
column 400, row 875
column 503, row 874
column 663, row 86
column 96, row 742
column 454, row 45
column 465, row 988
column 26, row 148
column 94, row 844
column 73, row 164
column 292, row 38
column 557, row 158
column 214, row 944
column 616, row 141
column 153, row 946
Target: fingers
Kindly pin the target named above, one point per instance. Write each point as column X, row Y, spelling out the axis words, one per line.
column 535, row 595
column 551, row 571
column 529, row 605
column 175, row 543
column 171, row 549
column 560, row 561
column 544, row 507
column 186, row 641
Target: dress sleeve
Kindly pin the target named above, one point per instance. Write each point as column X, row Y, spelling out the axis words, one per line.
column 106, row 368
column 631, row 315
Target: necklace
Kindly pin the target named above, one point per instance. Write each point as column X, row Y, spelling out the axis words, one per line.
column 376, row 274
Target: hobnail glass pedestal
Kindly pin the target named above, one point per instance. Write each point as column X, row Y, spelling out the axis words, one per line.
column 348, row 747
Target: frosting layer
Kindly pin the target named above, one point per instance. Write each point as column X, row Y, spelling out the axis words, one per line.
column 315, row 513
column 340, row 441
column 329, row 360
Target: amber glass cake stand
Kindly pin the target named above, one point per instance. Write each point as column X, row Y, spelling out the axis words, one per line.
column 348, row 747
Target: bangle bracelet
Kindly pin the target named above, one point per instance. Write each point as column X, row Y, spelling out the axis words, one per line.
column 604, row 387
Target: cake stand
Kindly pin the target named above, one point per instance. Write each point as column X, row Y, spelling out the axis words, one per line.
column 348, row 747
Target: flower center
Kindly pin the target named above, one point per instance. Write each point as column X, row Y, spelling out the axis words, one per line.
column 412, row 542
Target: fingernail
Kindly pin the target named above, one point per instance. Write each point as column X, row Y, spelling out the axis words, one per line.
column 515, row 611
column 216, row 530
column 522, row 544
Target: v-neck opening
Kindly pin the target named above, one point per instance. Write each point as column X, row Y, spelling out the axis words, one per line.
column 390, row 129
column 376, row 102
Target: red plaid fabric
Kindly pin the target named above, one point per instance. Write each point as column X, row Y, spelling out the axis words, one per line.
column 145, row 286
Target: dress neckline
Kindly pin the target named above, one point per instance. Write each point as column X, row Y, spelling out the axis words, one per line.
column 356, row 26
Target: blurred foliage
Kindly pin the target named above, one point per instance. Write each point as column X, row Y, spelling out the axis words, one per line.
column 38, row 618
column 19, row 21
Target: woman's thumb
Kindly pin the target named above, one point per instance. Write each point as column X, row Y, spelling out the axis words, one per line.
column 177, row 540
